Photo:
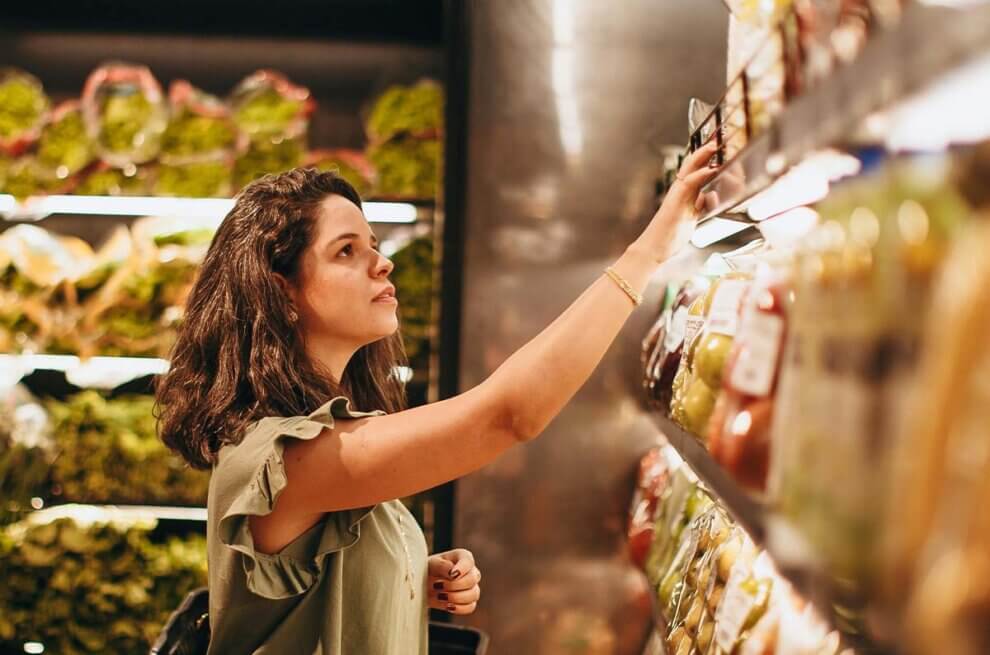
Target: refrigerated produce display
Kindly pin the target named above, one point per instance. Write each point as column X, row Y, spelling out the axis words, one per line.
column 123, row 136
column 101, row 527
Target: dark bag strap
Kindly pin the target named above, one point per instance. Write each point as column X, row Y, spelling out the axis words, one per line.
column 187, row 631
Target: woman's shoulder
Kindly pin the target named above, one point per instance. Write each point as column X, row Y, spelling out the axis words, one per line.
column 260, row 435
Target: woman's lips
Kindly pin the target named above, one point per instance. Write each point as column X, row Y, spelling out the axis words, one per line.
column 387, row 296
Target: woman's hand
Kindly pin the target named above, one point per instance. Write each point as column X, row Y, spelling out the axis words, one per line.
column 673, row 224
column 454, row 582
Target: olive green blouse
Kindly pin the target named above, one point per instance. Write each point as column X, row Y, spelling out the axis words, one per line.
column 354, row 583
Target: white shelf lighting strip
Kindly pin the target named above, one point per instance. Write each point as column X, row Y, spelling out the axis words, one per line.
column 101, row 372
column 39, row 207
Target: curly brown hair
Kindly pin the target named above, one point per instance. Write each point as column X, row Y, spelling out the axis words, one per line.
column 238, row 356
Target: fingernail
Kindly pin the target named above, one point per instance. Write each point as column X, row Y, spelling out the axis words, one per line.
column 438, row 585
column 442, row 596
column 455, row 574
column 451, row 607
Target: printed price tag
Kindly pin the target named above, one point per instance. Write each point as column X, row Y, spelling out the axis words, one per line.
column 733, row 610
column 676, row 330
column 761, row 341
column 692, row 326
column 724, row 316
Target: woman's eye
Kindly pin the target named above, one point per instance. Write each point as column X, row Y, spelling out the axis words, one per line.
column 346, row 251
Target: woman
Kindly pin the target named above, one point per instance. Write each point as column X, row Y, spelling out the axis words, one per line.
column 290, row 329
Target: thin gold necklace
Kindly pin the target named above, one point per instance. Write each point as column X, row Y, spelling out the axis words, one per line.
column 405, row 547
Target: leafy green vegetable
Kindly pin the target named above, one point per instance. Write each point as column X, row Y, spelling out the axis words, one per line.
column 108, row 452
column 265, row 157
column 196, row 237
column 192, row 134
column 101, row 588
column 407, row 168
column 140, row 323
column 355, row 177
column 266, row 112
column 24, row 468
column 112, row 182
column 195, row 180
column 64, row 145
column 413, row 279
column 22, row 104
column 123, row 118
column 26, row 177
column 407, row 110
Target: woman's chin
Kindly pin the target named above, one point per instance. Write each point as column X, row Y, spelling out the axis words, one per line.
column 387, row 330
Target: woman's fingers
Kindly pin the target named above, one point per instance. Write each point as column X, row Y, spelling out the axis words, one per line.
column 439, row 566
column 463, row 561
column 697, row 179
column 459, row 610
column 463, row 582
column 697, row 160
column 472, row 595
column 458, row 602
column 454, row 582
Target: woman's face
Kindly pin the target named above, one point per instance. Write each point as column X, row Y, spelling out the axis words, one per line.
column 342, row 292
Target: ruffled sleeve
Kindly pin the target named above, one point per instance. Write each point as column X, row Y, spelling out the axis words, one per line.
column 248, row 480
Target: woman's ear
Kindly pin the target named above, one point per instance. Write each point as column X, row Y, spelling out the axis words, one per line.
column 285, row 285
column 290, row 291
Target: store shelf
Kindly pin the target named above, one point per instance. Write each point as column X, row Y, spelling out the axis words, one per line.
column 37, row 208
column 105, row 513
column 746, row 511
column 890, row 69
column 92, row 373
column 104, row 372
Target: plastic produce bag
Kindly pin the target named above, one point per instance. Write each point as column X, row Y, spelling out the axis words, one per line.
column 650, row 484
column 198, row 146
column 352, row 165
column 200, row 127
column 23, row 110
column 105, row 180
column 415, row 110
column 65, row 147
column 125, row 114
column 665, row 358
column 408, row 168
column 739, row 438
column 268, row 107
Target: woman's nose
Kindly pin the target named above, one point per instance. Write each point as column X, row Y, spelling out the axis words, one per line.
column 383, row 266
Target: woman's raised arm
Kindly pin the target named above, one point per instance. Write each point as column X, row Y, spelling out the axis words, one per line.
column 361, row 462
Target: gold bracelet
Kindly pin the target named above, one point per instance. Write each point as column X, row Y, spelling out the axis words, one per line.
column 618, row 279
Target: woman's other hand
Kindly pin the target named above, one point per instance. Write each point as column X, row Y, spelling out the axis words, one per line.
column 454, row 582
